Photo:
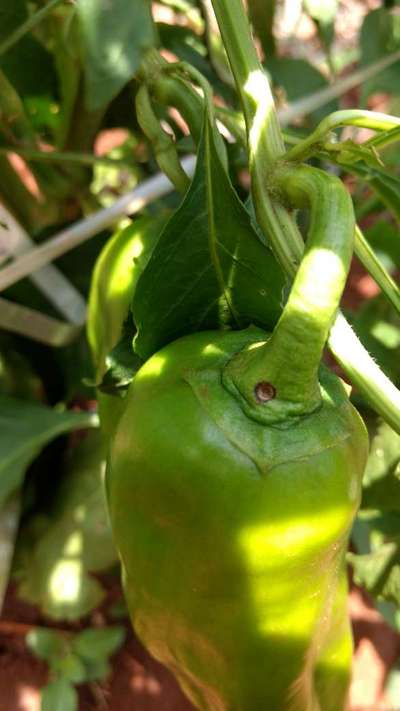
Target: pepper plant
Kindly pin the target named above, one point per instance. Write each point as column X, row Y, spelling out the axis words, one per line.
column 236, row 462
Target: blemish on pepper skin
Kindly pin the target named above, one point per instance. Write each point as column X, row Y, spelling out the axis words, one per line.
column 264, row 391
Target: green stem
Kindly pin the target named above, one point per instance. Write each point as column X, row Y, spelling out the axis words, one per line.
column 176, row 91
column 289, row 362
column 26, row 208
column 251, row 80
column 32, row 154
column 275, row 221
column 27, row 26
column 83, row 126
column 14, row 121
column 375, row 268
column 363, row 119
column 385, row 139
column 163, row 145
column 262, row 17
column 364, row 373
column 265, row 139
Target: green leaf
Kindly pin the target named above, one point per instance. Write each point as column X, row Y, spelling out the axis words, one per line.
column 9, row 520
column 12, row 14
column 299, row 79
column 380, row 35
column 385, row 184
column 382, row 475
column 59, row 695
column 262, row 14
column 25, row 428
column 97, row 669
column 379, row 572
column 28, row 65
column 98, row 644
column 114, row 38
column 70, row 667
column 384, row 239
column 378, row 326
column 321, row 10
column 208, row 269
column 392, row 687
column 351, row 152
column 58, row 551
column 46, row 644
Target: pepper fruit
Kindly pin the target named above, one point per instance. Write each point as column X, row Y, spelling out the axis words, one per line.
column 234, row 478
column 115, row 276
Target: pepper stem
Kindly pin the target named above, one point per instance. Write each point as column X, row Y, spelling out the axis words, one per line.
column 286, row 366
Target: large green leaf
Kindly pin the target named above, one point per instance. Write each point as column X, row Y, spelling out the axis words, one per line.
column 380, row 35
column 25, row 428
column 58, row 551
column 382, row 475
column 28, row 65
column 299, row 79
column 114, row 37
column 12, row 14
column 384, row 239
column 209, row 269
column 379, row 572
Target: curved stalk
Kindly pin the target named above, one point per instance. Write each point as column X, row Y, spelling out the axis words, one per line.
column 375, row 268
column 354, row 117
column 289, row 362
column 364, row 373
column 163, row 145
column 176, row 91
column 273, row 219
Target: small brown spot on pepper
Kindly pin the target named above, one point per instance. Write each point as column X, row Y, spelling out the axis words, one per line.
column 264, row 391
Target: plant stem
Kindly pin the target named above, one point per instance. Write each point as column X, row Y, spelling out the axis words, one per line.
column 289, row 362
column 33, row 154
column 362, row 370
column 17, row 197
column 162, row 144
column 251, row 81
column 27, row 26
column 265, row 147
column 364, row 119
column 385, row 139
column 376, row 269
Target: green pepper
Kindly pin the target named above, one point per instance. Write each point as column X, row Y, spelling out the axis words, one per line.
column 115, row 276
column 234, row 478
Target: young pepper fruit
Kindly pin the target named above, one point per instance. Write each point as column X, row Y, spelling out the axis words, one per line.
column 234, row 478
column 115, row 276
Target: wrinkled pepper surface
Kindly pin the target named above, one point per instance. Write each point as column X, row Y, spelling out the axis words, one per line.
column 233, row 482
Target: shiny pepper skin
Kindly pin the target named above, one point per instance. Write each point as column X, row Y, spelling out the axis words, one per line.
column 233, row 533
column 115, row 276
